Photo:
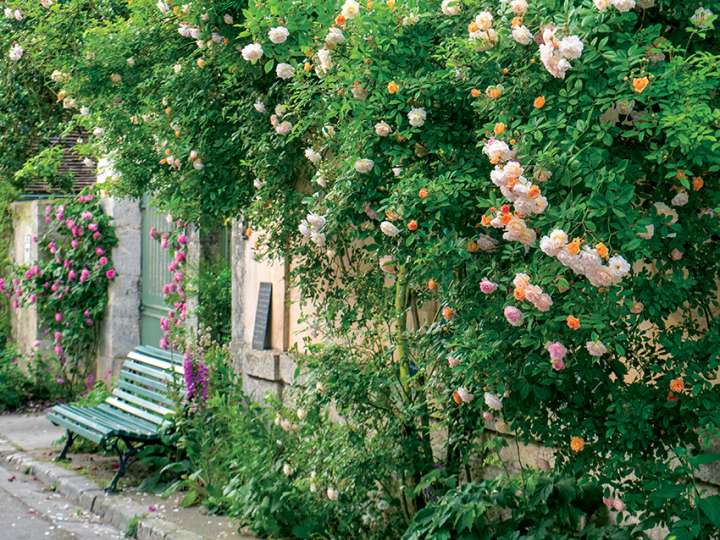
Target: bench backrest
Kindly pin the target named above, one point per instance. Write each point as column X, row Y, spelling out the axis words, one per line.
column 144, row 389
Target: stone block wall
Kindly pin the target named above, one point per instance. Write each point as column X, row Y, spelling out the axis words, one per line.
column 120, row 329
column 28, row 226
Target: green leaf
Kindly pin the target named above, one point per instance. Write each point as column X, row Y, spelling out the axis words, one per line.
column 711, row 508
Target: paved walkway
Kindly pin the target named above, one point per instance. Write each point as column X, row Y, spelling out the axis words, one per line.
column 34, row 440
column 29, row 511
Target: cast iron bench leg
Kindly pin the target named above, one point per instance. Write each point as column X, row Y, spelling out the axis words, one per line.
column 124, row 458
column 69, row 439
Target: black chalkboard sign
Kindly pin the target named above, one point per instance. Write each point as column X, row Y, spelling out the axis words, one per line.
column 261, row 332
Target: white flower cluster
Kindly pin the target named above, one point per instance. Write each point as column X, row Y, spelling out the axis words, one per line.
column 13, row 14
column 702, row 18
column 313, row 156
column 555, row 54
column 480, row 29
column 524, row 195
column 621, row 5
column 524, row 290
column 389, row 229
column 188, row 31
column 252, row 52
column 586, row 261
column 282, row 127
column 311, row 227
column 417, row 116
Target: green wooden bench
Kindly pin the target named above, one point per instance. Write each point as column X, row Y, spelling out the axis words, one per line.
column 133, row 415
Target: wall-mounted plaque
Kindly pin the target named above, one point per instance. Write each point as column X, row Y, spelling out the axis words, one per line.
column 261, row 332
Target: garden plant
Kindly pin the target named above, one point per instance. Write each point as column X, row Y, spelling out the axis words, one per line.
column 500, row 217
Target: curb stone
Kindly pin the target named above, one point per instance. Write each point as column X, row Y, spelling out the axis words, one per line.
column 89, row 496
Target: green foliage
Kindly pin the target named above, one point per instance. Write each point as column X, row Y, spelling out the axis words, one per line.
column 44, row 167
column 14, row 383
column 539, row 505
column 213, row 286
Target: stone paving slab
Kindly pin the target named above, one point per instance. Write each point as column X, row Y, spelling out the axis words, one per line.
column 26, row 445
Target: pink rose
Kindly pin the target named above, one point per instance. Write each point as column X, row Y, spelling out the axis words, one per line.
column 513, row 315
column 557, row 351
column 182, row 239
column 72, row 274
column 74, row 244
column 99, row 251
column 96, row 235
column 453, row 361
column 111, row 274
column 58, row 317
column 103, row 261
column 487, row 286
column 84, row 275
column 558, row 365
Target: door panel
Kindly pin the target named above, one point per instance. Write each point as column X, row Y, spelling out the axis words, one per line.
column 155, row 274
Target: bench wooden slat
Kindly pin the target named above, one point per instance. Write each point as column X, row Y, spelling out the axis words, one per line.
column 79, row 417
column 121, row 425
column 111, row 409
column 134, row 411
column 140, row 402
column 66, row 422
column 128, row 375
column 145, row 393
column 149, row 371
column 175, row 358
column 156, row 362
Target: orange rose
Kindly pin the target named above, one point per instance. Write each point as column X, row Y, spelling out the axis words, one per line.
column 472, row 246
column 519, row 294
column 340, row 20
column 485, row 221
column 640, row 84
column 423, row 193
column 390, row 3
column 572, row 322
column 457, row 399
column 539, row 102
column 412, row 225
column 200, row 63
column 516, row 21
column 392, row 87
column 473, row 27
column 475, row 92
column 448, row 313
column 432, row 285
column 533, row 192
column 494, row 92
column 602, row 250
column 307, row 66
column 677, row 385
column 573, row 248
column 499, row 128
column 698, row 183
column 577, row 444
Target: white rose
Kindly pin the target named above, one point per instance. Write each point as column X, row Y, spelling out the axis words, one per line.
column 681, row 199
column 325, row 58
column 522, row 34
column 450, row 7
column 601, row 5
column 198, row 165
column 492, row 401
column 46, row 3
column 287, row 470
column 519, row 7
column 618, row 266
column 177, row 68
column 383, row 129
column 18, row 15
column 397, row 171
column 331, row 492
column 260, row 107
column 596, row 348
column 285, row 71
column 571, row 47
column 84, row 111
column 283, row 128
column 417, row 116
column 623, row 5
column 16, row 52
column 252, row 52
column 389, row 229
column 484, row 20
column 278, row 34
column 313, row 156
column 334, row 36
column 410, row 20
column 364, row 166
column 228, row 18
column 350, row 9
column 98, row 132
column 258, row 184
column 464, row 395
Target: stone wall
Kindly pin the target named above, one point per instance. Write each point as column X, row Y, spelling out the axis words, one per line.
column 120, row 329
column 28, row 226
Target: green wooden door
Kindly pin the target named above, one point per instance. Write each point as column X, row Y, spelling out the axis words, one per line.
column 155, row 274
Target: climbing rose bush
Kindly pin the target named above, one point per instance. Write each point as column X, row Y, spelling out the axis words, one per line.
column 499, row 216
column 69, row 282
